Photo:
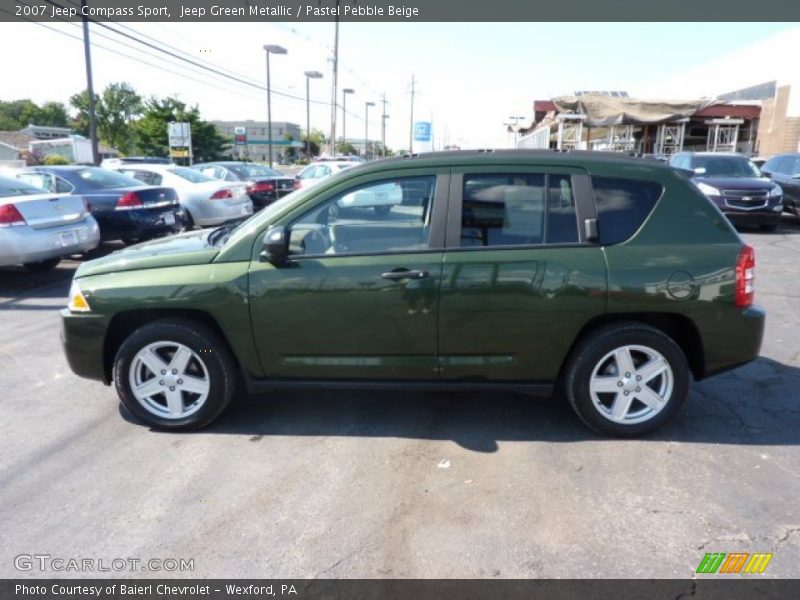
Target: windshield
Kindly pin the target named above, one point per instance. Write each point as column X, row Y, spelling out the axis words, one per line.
column 249, row 170
column 190, row 175
column 103, row 179
column 14, row 187
column 725, row 166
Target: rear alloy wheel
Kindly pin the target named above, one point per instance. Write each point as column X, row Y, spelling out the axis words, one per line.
column 627, row 380
column 42, row 265
column 174, row 374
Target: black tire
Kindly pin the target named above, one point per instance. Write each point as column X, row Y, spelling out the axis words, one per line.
column 216, row 358
column 42, row 265
column 383, row 209
column 768, row 227
column 592, row 350
column 189, row 226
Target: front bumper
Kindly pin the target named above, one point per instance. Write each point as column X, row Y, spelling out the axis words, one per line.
column 83, row 338
column 141, row 223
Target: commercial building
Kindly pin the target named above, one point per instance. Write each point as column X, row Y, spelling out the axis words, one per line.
column 617, row 122
column 254, row 145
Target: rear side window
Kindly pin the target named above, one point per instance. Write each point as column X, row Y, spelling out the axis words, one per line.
column 622, row 206
column 518, row 209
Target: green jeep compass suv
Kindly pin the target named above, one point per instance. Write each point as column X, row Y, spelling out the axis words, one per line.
column 610, row 280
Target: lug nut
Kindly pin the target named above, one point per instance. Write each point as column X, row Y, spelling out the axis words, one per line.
column 638, row 378
column 626, row 392
column 627, row 374
column 161, row 382
column 180, row 381
column 638, row 389
column 619, row 384
column 163, row 372
column 172, row 388
column 174, row 371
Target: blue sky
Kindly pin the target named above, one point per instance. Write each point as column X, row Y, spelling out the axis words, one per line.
column 472, row 76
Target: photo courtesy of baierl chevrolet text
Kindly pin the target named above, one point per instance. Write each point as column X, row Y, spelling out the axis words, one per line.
column 399, row 300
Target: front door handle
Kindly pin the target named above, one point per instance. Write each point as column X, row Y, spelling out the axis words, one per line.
column 399, row 274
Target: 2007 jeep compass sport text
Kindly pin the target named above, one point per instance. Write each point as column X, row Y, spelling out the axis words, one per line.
column 610, row 280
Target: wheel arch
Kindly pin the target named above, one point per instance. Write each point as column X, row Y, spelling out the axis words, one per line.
column 678, row 327
column 126, row 322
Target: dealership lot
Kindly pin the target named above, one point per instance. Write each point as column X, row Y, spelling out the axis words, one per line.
column 359, row 484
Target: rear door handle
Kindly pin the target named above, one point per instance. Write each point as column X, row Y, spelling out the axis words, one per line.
column 399, row 274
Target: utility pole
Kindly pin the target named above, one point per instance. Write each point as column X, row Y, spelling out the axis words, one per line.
column 383, row 126
column 87, row 54
column 366, row 128
column 335, row 82
column 411, row 124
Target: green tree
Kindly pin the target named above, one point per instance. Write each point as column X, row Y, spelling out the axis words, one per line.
column 118, row 107
column 151, row 129
column 347, row 148
column 18, row 114
column 318, row 140
column 80, row 120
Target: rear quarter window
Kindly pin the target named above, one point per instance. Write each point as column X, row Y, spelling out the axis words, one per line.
column 622, row 206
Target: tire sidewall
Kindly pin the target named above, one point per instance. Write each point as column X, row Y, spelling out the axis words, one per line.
column 203, row 343
column 597, row 347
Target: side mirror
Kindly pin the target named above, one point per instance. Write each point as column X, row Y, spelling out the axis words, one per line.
column 275, row 248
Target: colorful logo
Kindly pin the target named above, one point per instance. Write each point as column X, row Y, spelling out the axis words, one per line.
column 734, row 562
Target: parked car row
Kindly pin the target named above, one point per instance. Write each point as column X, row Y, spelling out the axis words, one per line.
column 747, row 194
column 38, row 228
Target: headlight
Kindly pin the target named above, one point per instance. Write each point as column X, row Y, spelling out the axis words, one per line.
column 77, row 301
column 708, row 190
column 775, row 191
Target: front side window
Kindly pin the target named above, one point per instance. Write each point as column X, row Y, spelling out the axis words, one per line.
column 622, row 206
column 518, row 209
column 374, row 218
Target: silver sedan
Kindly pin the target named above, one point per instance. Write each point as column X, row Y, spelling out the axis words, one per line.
column 37, row 228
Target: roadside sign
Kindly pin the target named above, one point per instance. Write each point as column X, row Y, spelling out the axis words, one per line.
column 240, row 136
column 180, row 134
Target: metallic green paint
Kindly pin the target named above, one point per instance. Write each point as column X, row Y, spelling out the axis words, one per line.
column 487, row 314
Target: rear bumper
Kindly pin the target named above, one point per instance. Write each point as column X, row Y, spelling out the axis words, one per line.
column 83, row 337
column 140, row 223
column 25, row 244
column 737, row 343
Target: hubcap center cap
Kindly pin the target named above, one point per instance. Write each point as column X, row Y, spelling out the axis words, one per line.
column 170, row 380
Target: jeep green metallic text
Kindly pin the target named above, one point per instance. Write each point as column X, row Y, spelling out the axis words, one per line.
column 612, row 280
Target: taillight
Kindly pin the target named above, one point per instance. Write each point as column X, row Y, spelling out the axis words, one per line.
column 129, row 201
column 296, row 185
column 261, row 186
column 221, row 195
column 745, row 276
column 10, row 216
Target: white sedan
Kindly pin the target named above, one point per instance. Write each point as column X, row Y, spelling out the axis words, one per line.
column 37, row 229
column 207, row 201
column 321, row 170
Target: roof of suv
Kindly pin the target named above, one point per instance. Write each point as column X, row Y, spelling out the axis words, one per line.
column 575, row 158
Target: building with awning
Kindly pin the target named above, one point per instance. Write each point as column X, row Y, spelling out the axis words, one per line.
column 661, row 127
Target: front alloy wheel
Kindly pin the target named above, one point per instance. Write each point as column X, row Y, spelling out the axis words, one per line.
column 169, row 380
column 174, row 374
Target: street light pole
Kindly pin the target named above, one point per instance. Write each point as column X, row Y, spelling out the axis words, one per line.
column 270, row 49
column 345, row 91
column 366, row 128
column 383, row 134
column 309, row 76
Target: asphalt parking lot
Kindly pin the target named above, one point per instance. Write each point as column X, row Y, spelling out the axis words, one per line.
column 358, row 484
